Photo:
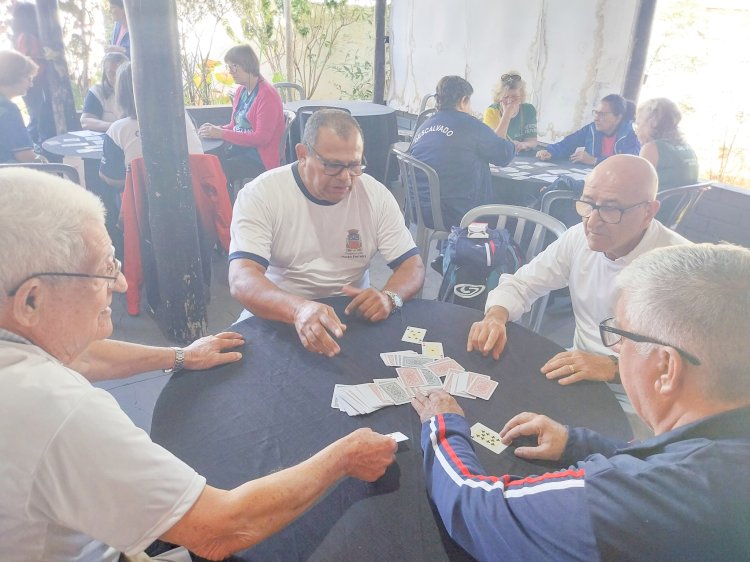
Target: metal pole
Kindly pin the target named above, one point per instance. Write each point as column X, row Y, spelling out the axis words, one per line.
column 161, row 115
column 60, row 90
column 642, row 35
column 288, row 38
column 378, row 66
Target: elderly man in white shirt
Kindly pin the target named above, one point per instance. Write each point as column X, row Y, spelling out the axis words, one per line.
column 617, row 207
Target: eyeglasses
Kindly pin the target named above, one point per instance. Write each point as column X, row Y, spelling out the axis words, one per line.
column 612, row 336
column 114, row 268
column 510, row 78
column 608, row 214
column 596, row 113
column 232, row 66
column 334, row 169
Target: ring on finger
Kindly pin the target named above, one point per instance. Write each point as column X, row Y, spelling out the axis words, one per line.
column 572, row 369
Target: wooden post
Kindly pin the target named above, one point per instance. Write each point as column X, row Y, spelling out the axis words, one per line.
column 60, row 90
column 378, row 65
column 161, row 115
column 641, row 37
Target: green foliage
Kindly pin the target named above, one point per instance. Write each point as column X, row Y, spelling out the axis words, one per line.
column 316, row 32
column 359, row 74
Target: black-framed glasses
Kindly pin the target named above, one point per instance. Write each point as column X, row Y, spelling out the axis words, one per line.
column 608, row 213
column 612, row 335
column 113, row 274
column 334, row 168
column 510, row 78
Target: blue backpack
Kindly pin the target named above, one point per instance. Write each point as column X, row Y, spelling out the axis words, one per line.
column 472, row 266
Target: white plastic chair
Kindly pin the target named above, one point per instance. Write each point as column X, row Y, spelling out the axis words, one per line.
column 287, row 91
column 530, row 234
column 408, row 166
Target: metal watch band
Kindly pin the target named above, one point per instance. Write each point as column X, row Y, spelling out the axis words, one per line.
column 395, row 300
column 179, row 360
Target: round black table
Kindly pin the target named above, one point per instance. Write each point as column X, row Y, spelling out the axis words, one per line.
column 273, row 409
column 88, row 145
column 378, row 123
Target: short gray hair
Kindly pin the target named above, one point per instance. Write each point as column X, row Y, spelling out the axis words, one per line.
column 340, row 122
column 42, row 221
column 696, row 297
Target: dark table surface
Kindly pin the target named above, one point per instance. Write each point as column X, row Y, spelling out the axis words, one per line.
column 519, row 182
column 378, row 123
column 88, row 145
column 273, row 409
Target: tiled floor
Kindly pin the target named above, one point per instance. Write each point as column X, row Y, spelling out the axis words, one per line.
column 137, row 395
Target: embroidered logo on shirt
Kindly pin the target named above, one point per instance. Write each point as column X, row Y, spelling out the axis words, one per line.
column 354, row 244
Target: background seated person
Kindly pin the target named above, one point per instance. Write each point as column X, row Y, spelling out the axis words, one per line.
column 17, row 72
column 100, row 107
column 610, row 133
column 681, row 325
column 509, row 95
column 657, row 126
column 253, row 136
column 81, row 482
column 309, row 230
column 122, row 143
column 460, row 148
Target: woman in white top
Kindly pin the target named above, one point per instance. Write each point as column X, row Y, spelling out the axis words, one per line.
column 122, row 143
column 100, row 108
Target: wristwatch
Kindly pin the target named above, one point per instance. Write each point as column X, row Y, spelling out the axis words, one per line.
column 396, row 301
column 179, row 360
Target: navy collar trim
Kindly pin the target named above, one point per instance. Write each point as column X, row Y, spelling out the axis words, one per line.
column 303, row 189
column 726, row 425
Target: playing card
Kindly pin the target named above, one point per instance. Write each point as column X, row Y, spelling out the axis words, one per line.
column 487, row 438
column 394, row 390
column 482, row 388
column 411, row 376
column 397, row 436
column 414, row 335
column 442, row 366
column 415, row 361
column 431, row 379
column 432, row 349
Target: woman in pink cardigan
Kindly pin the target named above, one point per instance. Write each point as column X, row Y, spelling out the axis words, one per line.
column 252, row 138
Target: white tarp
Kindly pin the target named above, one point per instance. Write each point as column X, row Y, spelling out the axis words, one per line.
column 570, row 52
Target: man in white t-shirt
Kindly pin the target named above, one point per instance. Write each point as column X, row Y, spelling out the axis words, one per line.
column 617, row 207
column 78, row 480
column 309, row 230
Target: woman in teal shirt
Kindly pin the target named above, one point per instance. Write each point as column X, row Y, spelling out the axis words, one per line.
column 662, row 143
column 510, row 95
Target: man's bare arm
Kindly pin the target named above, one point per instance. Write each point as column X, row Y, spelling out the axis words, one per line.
column 222, row 522
column 407, row 279
column 111, row 359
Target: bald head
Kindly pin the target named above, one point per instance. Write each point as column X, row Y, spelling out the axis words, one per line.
column 630, row 176
column 623, row 183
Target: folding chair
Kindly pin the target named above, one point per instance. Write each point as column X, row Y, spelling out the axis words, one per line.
column 530, row 232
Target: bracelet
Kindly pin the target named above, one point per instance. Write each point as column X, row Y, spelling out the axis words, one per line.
column 179, row 360
column 616, row 361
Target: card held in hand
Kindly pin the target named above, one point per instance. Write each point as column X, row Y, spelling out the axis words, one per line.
column 486, row 437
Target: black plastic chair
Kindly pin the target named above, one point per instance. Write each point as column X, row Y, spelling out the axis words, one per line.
column 62, row 170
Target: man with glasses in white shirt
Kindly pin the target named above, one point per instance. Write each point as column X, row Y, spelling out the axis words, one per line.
column 617, row 209
column 310, row 229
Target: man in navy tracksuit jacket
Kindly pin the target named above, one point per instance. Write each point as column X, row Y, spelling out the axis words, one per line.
column 460, row 148
column 681, row 495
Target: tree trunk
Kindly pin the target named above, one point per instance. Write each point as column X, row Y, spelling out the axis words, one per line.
column 161, row 115
column 60, row 90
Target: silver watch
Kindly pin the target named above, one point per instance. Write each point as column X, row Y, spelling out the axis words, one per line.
column 396, row 301
column 179, row 360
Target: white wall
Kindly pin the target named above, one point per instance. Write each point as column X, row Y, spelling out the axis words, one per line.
column 570, row 52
